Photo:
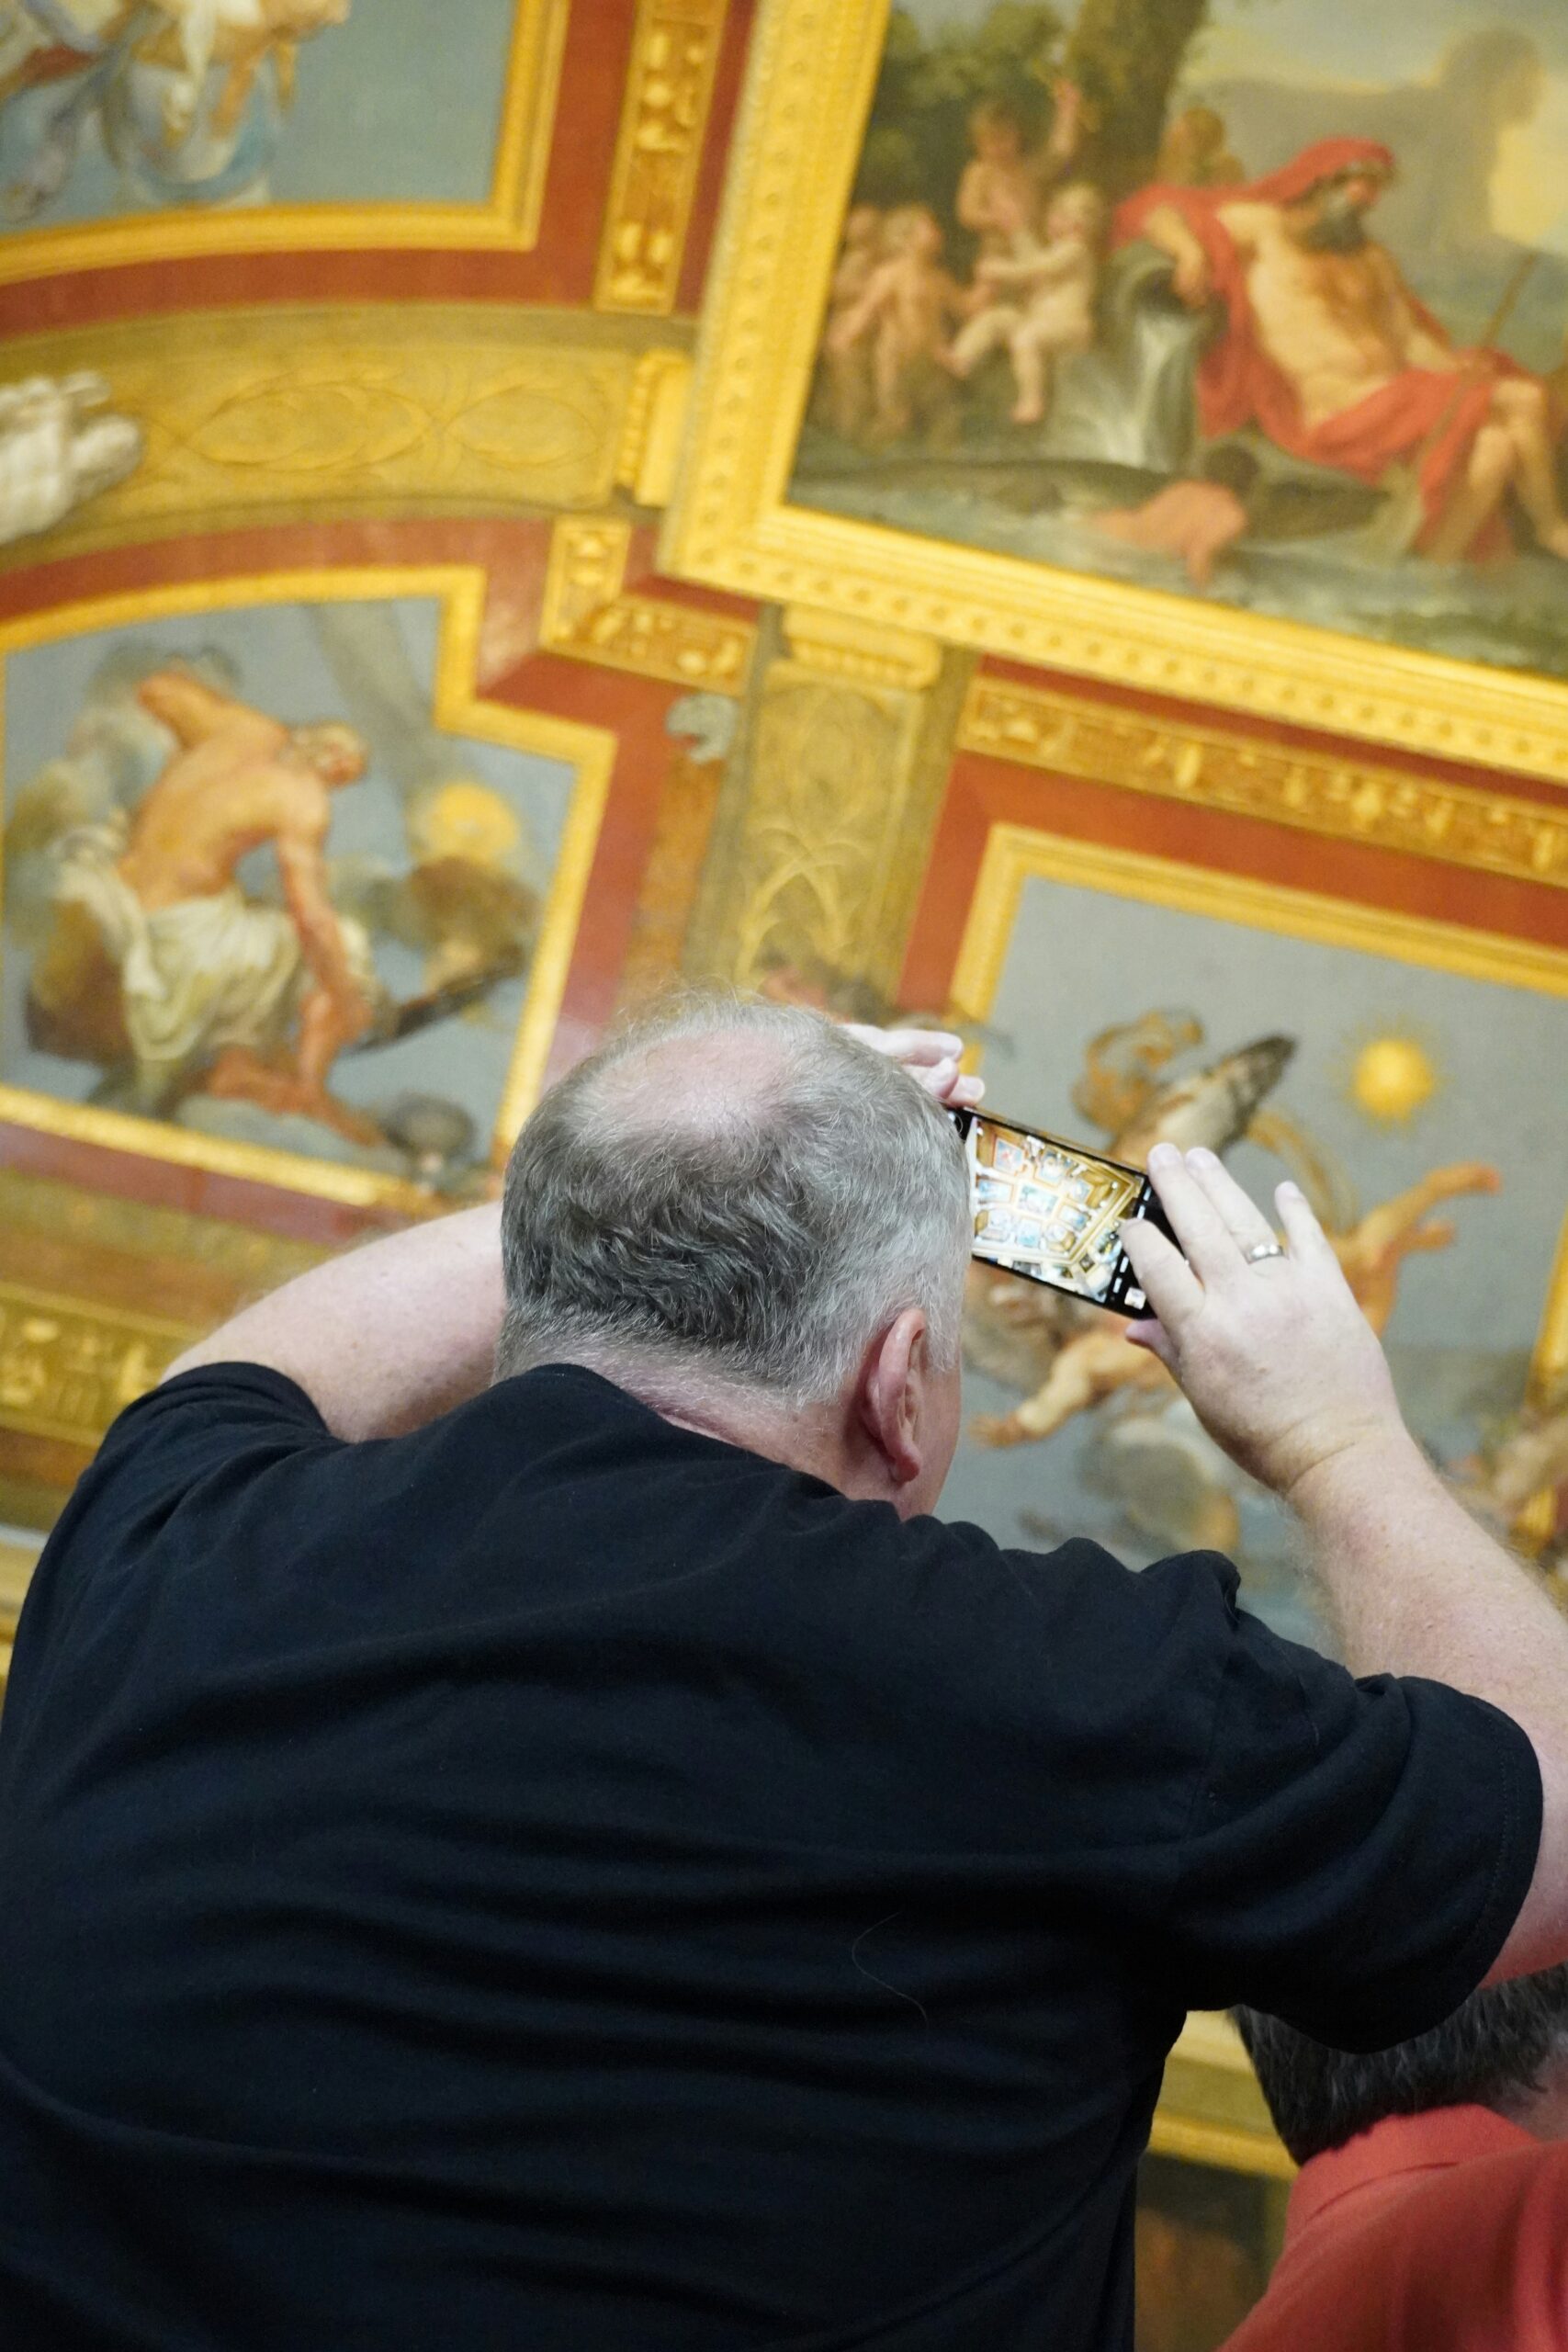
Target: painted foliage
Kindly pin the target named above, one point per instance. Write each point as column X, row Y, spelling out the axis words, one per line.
column 1258, row 301
column 1406, row 1098
column 256, row 893
column 113, row 107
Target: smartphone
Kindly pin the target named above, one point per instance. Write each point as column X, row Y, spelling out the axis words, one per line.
column 1053, row 1211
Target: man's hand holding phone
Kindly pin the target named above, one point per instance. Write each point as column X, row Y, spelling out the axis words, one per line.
column 1279, row 1362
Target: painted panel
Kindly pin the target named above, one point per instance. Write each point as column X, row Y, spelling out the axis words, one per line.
column 1393, row 1066
column 1211, row 348
column 281, row 898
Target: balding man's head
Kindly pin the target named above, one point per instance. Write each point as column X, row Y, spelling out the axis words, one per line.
column 740, row 1190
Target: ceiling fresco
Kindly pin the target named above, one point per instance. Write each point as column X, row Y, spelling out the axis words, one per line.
column 505, row 507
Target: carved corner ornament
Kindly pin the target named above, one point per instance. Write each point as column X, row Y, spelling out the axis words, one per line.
column 68, row 1366
column 663, row 120
column 588, row 615
column 655, row 427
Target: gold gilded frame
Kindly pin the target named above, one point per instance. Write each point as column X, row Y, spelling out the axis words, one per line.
column 1015, row 853
column 1211, row 2109
column 457, row 708
column 813, row 68
column 507, row 220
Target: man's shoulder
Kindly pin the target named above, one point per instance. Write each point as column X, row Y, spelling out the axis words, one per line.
column 1077, row 1596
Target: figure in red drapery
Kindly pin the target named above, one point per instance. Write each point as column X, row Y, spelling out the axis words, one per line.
column 1323, row 346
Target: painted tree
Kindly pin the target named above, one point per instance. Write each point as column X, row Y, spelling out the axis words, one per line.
column 1127, row 56
column 918, row 139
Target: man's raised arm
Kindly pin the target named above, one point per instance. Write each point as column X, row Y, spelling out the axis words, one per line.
column 193, row 711
column 384, row 1338
column 302, row 864
column 1283, row 1370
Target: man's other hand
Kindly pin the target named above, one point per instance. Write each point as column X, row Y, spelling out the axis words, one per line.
column 930, row 1056
column 1281, row 1365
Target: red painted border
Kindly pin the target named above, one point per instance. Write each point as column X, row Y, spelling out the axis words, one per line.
column 984, row 792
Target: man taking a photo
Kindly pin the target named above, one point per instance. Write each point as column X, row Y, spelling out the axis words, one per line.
column 582, row 1858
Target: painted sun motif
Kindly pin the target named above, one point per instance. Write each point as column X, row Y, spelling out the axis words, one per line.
column 466, row 820
column 1391, row 1077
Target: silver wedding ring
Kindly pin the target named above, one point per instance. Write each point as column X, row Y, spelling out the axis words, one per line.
column 1261, row 1250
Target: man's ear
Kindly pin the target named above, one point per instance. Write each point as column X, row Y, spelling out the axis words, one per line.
column 892, row 1395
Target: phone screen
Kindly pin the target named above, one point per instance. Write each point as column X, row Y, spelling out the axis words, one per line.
column 1051, row 1212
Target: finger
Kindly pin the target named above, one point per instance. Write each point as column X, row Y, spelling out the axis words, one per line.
column 1167, row 1281
column 1150, row 1335
column 948, row 1083
column 1210, row 1244
column 1240, row 1210
column 1308, row 1241
column 916, row 1047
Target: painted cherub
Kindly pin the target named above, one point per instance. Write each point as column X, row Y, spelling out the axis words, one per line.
column 901, row 318
column 240, row 34
column 1194, row 153
column 1002, row 186
column 1040, row 299
column 183, row 40
column 846, row 366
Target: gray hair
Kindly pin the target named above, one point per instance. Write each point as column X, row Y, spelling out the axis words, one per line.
column 738, row 1187
column 1492, row 2051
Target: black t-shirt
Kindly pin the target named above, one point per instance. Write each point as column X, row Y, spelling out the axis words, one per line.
column 558, row 1881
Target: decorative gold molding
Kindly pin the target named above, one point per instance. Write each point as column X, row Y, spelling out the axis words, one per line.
column 585, row 615
column 1537, row 1522
column 1175, row 759
column 507, row 220
column 656, row 427
column 813, row 67
column 861, row 652
column 456, row 710
column 302, row 412
column 587, row 566
column 1211, row 2110
column 663, row 118
column 828, row 781
column 829, row 806
column 68, row 1366
column 69, row 1213
column 17, row 1561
